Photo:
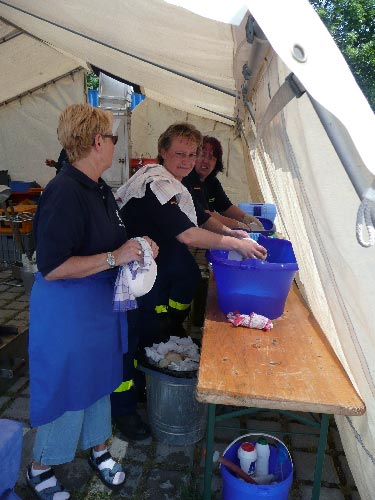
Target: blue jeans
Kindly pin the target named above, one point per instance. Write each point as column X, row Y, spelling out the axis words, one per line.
column 56, row 442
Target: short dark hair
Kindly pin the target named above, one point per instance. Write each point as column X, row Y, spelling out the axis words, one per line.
column 180, row 129
column 217, row 151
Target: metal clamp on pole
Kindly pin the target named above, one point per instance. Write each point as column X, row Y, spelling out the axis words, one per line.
column 246, row 75
column 290, row 89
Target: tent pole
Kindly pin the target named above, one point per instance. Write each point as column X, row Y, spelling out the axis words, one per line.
column 356, row 170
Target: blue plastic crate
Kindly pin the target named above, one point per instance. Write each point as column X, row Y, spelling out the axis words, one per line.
column 266, row 210
column 10, row 454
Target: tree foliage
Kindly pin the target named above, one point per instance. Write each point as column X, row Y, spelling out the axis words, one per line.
column 352, row 26
column 92, row 81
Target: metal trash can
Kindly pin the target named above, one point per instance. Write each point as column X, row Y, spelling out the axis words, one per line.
column 175, row 416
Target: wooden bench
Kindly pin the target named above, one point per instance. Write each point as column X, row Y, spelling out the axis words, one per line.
column 290, row 368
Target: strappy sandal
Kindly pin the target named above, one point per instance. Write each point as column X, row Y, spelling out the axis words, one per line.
column 47, row 493
column 106, row 475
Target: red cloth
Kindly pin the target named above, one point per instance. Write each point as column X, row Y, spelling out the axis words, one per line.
column 252, row 320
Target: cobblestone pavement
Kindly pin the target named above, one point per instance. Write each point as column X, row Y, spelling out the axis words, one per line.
column 157, row 471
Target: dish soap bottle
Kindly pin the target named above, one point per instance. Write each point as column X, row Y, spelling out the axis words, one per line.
column 263, row 456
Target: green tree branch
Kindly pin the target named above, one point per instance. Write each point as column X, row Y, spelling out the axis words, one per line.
column 352, row 26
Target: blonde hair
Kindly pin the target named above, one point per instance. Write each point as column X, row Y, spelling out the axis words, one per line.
column 78, row 124
column 179, row 129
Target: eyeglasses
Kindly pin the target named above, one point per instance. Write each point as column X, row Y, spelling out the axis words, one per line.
column 114, row 138
column 185, row 156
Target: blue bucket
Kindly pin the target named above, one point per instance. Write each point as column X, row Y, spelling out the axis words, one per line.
column 252, row 285
column 280, row 464
column 269, row 226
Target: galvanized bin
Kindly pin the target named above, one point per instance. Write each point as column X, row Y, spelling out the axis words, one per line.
column 175, row 416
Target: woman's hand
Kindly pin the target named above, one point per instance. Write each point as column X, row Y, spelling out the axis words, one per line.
column 242, row 225
column 238, row 233
column 250, row 219
column 250, row 249
column 153, row 245
column 129, row 251
column 132, row 250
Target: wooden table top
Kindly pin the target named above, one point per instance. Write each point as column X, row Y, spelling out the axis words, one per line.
column 292, row 367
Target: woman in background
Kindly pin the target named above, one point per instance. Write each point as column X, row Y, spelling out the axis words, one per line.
column 207, row 190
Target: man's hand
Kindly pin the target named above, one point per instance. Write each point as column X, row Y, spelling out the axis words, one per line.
column 51, row 163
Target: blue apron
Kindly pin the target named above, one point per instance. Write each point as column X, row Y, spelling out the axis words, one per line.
column 76, row 343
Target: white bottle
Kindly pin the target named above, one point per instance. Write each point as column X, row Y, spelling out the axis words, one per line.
column 263, row 457
column 247, row 455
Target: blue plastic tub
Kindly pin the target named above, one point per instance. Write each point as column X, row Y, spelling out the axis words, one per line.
column 21, row 186
column 266, row 210
column 269, row 226
column 280, row 464
column 254, row 285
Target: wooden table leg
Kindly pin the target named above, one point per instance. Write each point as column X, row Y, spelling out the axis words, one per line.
column 320, row 456
column 209, row 452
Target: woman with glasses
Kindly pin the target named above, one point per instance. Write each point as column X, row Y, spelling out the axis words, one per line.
column 207, row 190
column 154, row 200
column 76, row 340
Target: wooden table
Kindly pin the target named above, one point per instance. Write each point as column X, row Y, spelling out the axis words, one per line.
column 290, row 368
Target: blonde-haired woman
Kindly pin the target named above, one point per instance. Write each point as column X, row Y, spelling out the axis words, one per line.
column 155, row 199
column 76, row 340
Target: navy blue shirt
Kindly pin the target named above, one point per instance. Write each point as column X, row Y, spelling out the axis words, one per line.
column 209, row 193
column 162, row 223
column 147, row 216
column 76, row 216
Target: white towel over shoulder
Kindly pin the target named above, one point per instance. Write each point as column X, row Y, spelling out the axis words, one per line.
column 163, row 185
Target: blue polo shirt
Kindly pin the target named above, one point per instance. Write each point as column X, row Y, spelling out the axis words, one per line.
column 147, row 216
column 209, row 193
column 76, row 216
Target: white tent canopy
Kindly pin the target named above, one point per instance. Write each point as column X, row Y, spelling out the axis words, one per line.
column 154, row 56
column 196, row 65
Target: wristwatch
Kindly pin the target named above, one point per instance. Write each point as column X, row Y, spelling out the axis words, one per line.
column 111, row 261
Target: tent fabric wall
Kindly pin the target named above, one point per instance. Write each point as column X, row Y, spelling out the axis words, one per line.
column 299, row 171
column 193, row 65
column 28, row 129
column 150, row 119
column 114, row 42
column 20, row 56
